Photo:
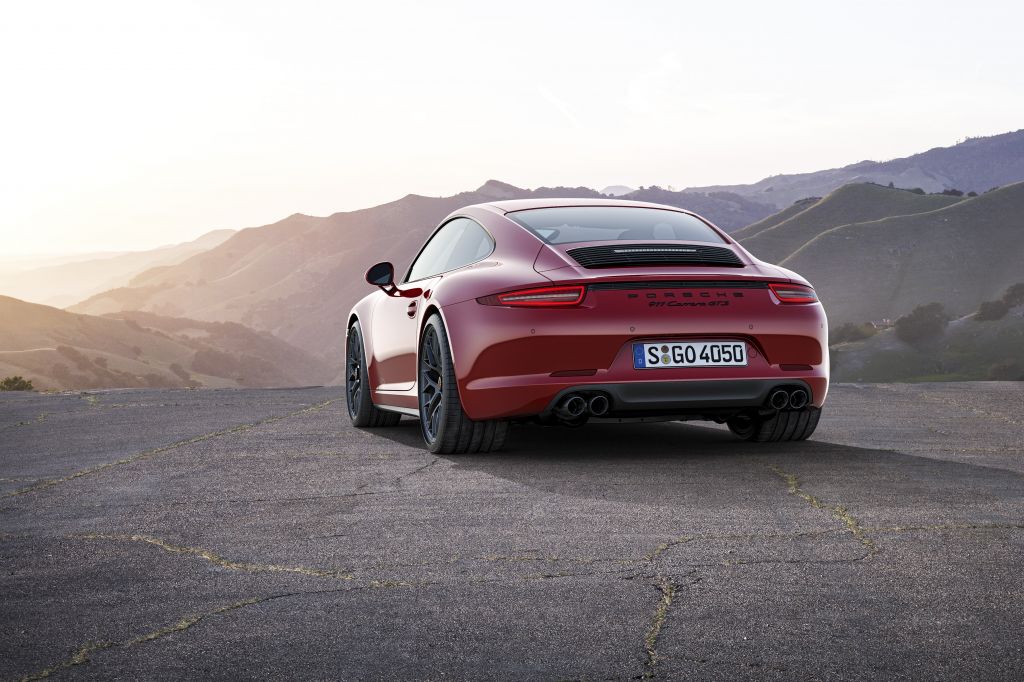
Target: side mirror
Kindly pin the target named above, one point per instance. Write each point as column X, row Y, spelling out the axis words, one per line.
column 382, row 275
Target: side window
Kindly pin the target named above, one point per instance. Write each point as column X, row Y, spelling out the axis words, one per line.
column 460, row 242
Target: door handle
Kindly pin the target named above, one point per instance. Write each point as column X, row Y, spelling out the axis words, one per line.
column 411, row 311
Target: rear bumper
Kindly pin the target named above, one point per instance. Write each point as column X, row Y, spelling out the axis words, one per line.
column 514, row 363
column 681, row 397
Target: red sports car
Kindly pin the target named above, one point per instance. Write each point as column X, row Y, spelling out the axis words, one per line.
column 560, row 311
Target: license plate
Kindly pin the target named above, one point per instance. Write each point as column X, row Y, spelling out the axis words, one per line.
column 689, row 354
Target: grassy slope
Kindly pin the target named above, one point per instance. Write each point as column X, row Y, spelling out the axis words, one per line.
column 849, row 204
column 97, row 352
column 968, row 350
column 960, row 255
column 775, row 218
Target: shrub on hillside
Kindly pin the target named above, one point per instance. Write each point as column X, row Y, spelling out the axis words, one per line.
column 1014, row 295
column 923, row 323
column 952, row 192
column 1007, row 370
column 852, row 332
column 991, row 310
column 16, row 383
column 179, row 371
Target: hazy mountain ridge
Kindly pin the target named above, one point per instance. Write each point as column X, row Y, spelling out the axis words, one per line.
column 72, row 281
column 61, row 350
column 976, row 164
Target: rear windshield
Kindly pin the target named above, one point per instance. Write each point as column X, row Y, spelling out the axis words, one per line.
column 564, row 225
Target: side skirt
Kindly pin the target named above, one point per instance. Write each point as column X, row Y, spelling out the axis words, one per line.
column 407, row 411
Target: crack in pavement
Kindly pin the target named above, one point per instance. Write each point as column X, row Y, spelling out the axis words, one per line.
column 218, row 560
column 38, row 420
column 666, row 546
column 668, row 588
column 840, row 513
column 146, row 454
column 82, row 655
column 668, row 593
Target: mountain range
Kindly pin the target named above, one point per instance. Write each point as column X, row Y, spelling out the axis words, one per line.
column 872, row 251
column 976, row 164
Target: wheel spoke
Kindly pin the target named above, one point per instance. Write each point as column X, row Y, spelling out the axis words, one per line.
column 430, row 390
column 354, row 378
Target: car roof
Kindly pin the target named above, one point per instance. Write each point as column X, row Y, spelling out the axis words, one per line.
column 510, row 205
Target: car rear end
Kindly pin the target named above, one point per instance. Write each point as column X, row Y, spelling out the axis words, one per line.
column 637, row 328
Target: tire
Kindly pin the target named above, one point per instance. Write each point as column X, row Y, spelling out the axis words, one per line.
column 361, row 409
column 445, row 427
column 786, row 425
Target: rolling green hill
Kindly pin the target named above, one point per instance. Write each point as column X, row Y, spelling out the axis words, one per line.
column 849, row 204
column 960, row 255
column 774, row 219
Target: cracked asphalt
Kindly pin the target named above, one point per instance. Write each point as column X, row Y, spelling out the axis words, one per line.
column 253, row 534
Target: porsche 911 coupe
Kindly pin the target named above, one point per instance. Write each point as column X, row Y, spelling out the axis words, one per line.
column 561, row 311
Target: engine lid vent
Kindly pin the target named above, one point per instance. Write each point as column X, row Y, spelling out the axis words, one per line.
column 619, row 255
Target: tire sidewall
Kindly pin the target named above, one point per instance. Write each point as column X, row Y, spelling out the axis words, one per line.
column 359, row 414
column 449, row 395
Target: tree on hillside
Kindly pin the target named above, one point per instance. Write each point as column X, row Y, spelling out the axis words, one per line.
column 991, row 310
column 16, row 383
column 1014, row 295
column 923, row 323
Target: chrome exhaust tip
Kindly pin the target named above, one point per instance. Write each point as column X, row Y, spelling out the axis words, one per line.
column 778, row 399
column 598, row 405
column 798, row 399
column 571, row 407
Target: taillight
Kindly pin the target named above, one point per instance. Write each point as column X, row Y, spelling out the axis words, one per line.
column 793, row 293
column 542, row 297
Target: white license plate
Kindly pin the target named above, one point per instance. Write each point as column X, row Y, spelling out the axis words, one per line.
column 689, row 354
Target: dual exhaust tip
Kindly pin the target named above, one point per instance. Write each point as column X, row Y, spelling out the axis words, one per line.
column 795, row 399
column 575, row 405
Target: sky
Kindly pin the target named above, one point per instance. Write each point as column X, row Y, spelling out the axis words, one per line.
column 131, row 125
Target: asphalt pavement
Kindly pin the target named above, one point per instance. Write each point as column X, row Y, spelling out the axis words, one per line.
column 242, row 534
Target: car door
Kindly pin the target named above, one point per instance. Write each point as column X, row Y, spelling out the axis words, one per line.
column 397, row 319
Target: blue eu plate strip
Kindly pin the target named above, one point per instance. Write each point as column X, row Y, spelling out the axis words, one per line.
column 638, row 356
